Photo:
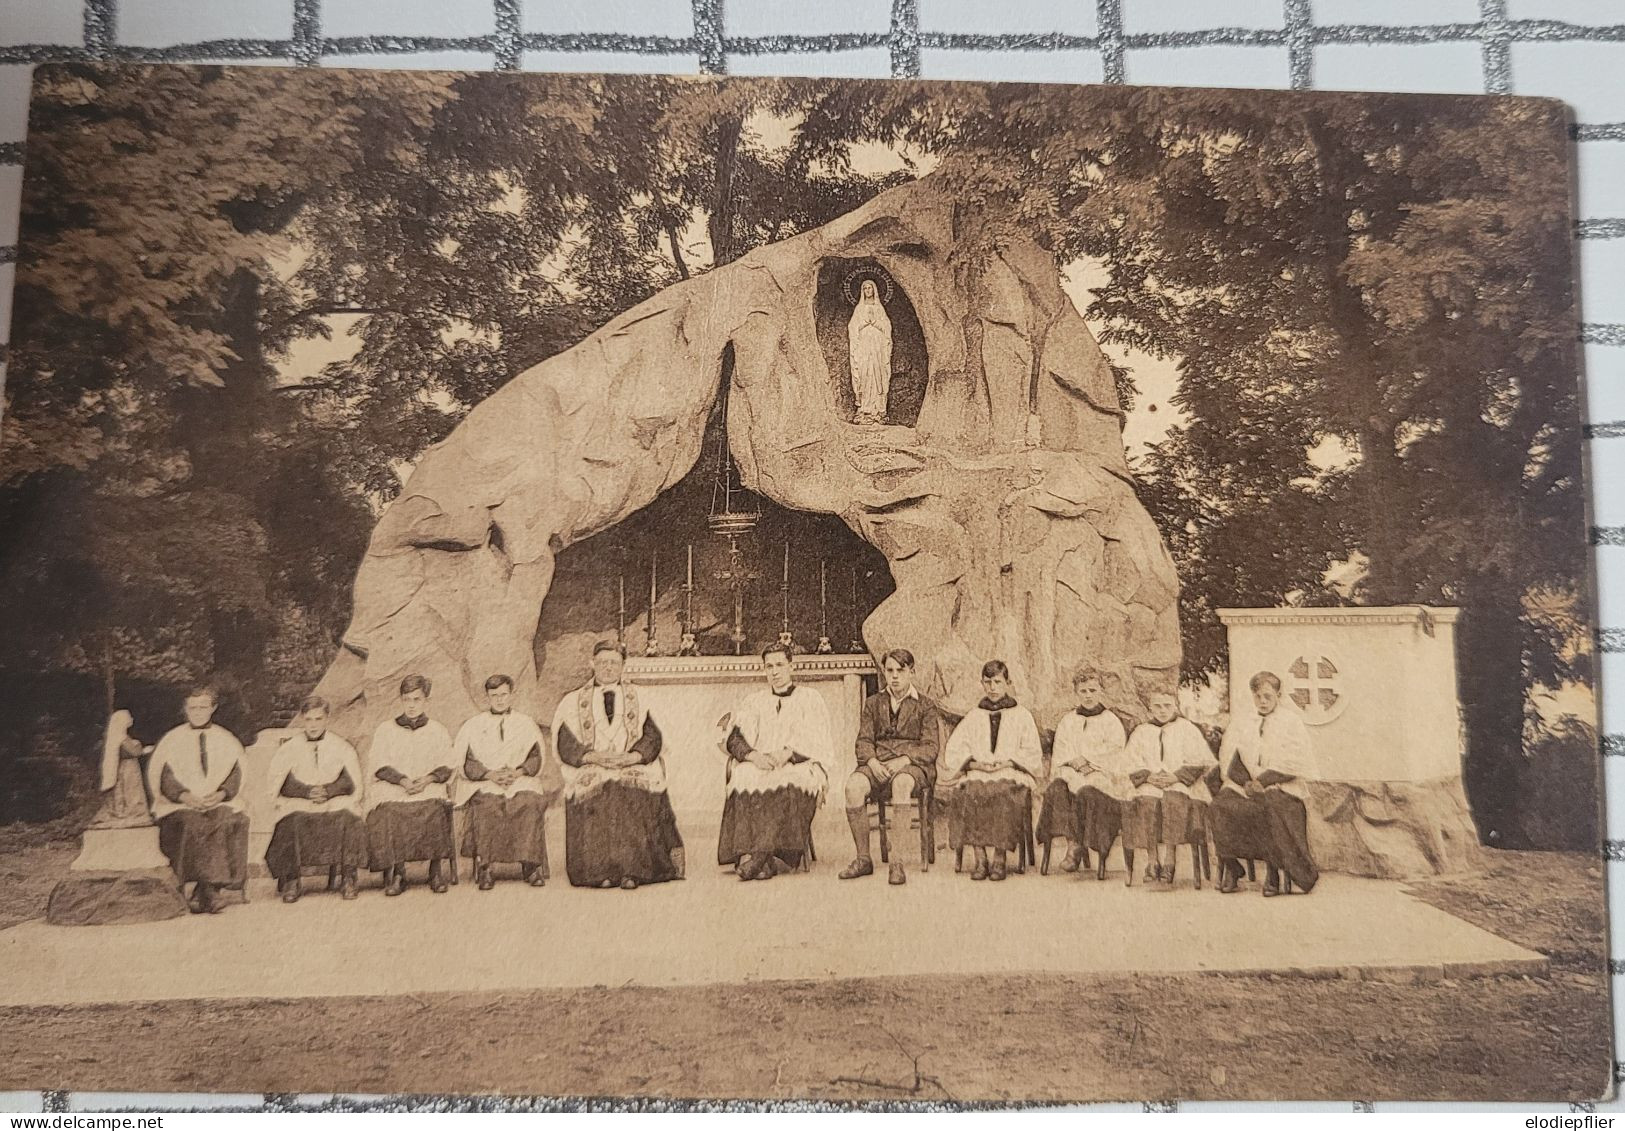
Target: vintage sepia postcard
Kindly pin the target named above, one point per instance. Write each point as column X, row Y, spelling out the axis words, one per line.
column 785, row 589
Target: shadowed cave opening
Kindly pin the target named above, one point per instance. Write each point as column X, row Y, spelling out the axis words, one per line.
column 583, row 603
column 832, row 310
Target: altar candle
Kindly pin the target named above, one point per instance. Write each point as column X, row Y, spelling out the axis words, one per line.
column 787, row 562
column 822, row 594
column 654, row 563
column 691, row 565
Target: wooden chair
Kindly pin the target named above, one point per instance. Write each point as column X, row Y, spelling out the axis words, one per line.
column 1201, row 862
column 1026, row 850
column 453, row 818
column 1084, row 857
column 1252, row 873
column 925, row 808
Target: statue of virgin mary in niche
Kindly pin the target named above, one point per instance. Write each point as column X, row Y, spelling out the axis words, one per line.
column 868, row 337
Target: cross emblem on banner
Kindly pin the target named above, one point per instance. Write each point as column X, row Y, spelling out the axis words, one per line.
column 1315, row 685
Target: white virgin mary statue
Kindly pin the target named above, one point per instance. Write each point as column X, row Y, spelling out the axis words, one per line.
column 868, row 337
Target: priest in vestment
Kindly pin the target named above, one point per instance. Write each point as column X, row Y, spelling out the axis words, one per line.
column 619, row 827
column 408, row 802
column 1259, row 814
column 899, row 743
column 1081, row 802
column 315, row 782
column 996, row 752
column 780, row 752
column 507, row 783
column 195, row 777
column 1171, row 762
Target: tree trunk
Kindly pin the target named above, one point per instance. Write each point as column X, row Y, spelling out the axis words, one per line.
column 1362, row 370
column 1492, row 697
column 1382, row 537
column 676, row 252
column 722, row 220
column 670, row 229
column 109, row 679
column 224, row 430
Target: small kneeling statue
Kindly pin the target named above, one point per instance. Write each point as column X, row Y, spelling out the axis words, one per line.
column 125, row 805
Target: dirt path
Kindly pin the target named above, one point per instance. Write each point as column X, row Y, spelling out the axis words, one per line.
column 981, row 1037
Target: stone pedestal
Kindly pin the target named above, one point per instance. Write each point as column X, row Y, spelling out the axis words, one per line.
column 1377, row 688
column 120, row 850
column 120, row 876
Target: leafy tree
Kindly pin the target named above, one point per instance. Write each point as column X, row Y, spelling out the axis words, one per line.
column 147, row 454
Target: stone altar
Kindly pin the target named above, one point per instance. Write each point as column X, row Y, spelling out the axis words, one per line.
column 1377, row 688
column 690, row 695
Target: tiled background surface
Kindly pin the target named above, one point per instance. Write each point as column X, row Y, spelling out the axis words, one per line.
column 1571, row 49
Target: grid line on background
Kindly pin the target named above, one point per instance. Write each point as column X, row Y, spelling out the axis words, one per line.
column 1300, row 44
column 509, row 42
column 101, row 28
column 1497, row 47
column 911, row 33
column 1496, row 35
column 306, row 48
column 905, row 39
column 1109, row 21
column 708, row 36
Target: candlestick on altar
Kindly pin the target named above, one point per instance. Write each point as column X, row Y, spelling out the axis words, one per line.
column 784, row 598
column 620, row 621
column 856, row 647
column 735, row 577
column 651, row 646
column 689, row 645
column 824, row 647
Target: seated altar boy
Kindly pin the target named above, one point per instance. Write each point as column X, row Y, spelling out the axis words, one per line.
column 507, row 784
column 996, row 752
column 619, row 828
column 899, row 742
column 315, row 782
column 1259, row 814
column 195, row 776
column 1086, row 784
column 780, row 751
column 409, row 768
column 1170, row 761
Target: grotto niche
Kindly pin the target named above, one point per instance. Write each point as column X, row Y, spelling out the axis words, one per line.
column 839, row 289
